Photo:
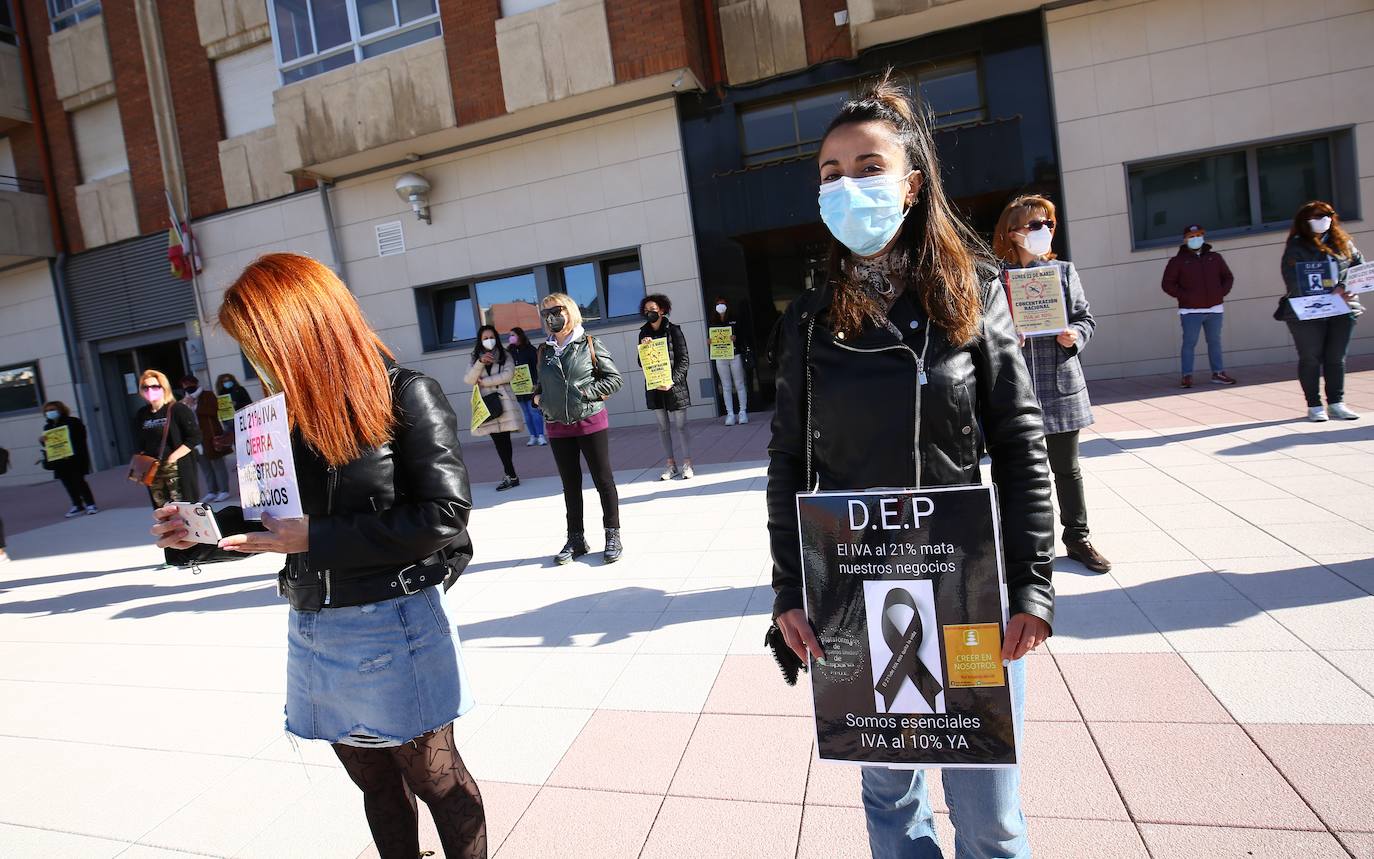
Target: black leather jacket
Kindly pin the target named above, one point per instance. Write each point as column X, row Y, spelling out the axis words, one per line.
column 872, row 425
column 395, row 505
column 570, row 389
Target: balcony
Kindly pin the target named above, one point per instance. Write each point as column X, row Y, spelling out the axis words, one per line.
column 25, row 230
column 553, row 52
column 14, row 100
column 366, row 112
column 80, row 59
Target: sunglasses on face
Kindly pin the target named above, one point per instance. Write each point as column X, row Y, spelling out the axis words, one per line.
column 1033, row 226
column 152, row 387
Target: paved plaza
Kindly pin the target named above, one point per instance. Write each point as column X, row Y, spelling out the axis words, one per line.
column 1212, row 697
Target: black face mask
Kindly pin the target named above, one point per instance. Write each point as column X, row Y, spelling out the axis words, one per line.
column 191, row 389
column 555, row 322
column 651, row 316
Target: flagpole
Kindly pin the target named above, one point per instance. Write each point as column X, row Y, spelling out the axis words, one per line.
column 189, row 250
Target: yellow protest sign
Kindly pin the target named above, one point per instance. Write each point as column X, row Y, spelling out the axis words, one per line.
column 1037, row 300
column 480, row 413
column 521, row 383
column 653, row 357
column 722, row 342
column 57, row 444
column 225, row 404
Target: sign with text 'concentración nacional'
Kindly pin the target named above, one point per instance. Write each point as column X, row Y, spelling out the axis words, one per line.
column 907, row 594
column 267, row 468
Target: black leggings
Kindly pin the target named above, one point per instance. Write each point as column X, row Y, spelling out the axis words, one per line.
column 430, row 767
column 595, row 448
column 1068, row 484
column 1321, row 345
column 77, row 490
column 503, row 450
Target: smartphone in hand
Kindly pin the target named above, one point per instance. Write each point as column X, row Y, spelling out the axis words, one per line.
column 201, row 526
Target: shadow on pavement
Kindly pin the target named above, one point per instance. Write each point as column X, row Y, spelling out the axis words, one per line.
column 99, row 598
column 7, row 586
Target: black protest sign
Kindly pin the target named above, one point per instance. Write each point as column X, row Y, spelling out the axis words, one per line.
column 906, row 591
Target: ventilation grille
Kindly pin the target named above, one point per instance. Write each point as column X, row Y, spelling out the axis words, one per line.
column 390, row 239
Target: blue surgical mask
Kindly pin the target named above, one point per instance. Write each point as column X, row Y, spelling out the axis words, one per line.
column 53, row 414
column 1195, row 243
column 864, row 214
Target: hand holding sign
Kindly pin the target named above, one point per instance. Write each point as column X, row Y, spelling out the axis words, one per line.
column 287, row 536
column 57, row 444
column 266, row 464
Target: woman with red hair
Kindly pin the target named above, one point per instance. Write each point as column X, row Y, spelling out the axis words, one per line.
column 386, row 500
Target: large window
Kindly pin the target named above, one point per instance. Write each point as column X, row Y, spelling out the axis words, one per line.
column 316, row 36
column 606, row 289
column 21, row 388
column 7, row 34
column 953, row 92
column 1241, row 190
column 65, row 13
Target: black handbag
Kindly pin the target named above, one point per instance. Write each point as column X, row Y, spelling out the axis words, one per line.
column 494, row 407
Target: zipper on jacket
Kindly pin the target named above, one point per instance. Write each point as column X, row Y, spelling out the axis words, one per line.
column 328, row 509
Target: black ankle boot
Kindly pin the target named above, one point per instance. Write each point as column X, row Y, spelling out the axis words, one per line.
column 575, row 548
column 614, row 548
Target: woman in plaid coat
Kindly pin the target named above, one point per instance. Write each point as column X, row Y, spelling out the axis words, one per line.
column 1022, row 240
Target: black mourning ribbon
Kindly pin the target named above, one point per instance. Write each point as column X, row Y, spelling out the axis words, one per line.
column 905, row 662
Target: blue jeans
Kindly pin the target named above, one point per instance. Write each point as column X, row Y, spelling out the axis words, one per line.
column 1194, row 323
column 534, row 419
column 984, row 805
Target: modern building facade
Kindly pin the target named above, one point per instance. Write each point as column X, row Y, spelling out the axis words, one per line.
column 612, row 148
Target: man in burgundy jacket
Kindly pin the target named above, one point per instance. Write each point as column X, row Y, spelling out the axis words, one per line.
column 1198, row 278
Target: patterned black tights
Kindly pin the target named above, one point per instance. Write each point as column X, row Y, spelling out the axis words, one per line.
column 429, row 767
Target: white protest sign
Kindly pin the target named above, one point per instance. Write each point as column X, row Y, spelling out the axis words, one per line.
column 1360, row 278
column 267, row 468
column 1319, row 306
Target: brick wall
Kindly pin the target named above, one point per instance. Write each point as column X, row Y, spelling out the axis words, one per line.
column 824, row 40
column 649, row 37
column 195, row 95
column 56, row 127
column 474, row 67
column 28, row 162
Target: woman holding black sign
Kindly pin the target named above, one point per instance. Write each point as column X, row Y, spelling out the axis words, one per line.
column 1317, row 255
column 902, row 370
column 492, row 369
column 385, row 494
column 1022, row 240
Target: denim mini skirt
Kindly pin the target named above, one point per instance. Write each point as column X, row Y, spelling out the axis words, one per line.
column 375, row 675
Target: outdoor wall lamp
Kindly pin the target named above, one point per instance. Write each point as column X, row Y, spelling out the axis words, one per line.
column 414, row 189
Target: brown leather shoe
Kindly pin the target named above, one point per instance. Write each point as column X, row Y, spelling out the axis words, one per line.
column 1084, row 553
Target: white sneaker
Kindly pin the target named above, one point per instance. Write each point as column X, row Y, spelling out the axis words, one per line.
column 729, row 420
column 75, row 511
column 91, row 509
column 668, row 473
column 207, row 498
column 4, row 557
column 1340, row 412
column 1316, row 415
column 687, row 473
column 543, row 440
column 744, row 417
column 221, row 496
column 534, row 439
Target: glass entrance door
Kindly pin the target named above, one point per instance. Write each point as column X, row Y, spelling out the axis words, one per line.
column 119, row 377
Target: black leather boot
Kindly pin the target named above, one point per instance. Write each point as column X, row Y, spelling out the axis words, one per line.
column 614, row 547
column 575, row 548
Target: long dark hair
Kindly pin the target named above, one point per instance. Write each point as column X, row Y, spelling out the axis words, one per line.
column 723, row 318
column 936, row 253
column 521, row 339
column 1337, row 242
column 500, row 350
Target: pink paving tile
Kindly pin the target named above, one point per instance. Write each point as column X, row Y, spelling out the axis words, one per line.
column 752, row 685
column 830, row 832
column 1306, row 754
column 626, row 751
column 1138, row 687
column 1063, row 838
column 1359, row 844
column 1062, row 774
column 692, row 826
column 1211, row 842
column 833, row 784
column 1047, row 698
column 1208, row 775
column 758, row 758
column 582, row 823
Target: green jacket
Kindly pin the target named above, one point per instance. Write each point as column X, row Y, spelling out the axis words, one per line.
column 570, row 388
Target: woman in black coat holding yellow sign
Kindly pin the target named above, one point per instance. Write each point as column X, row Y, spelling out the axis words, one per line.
column 1022, row 240
column 669, row 403
column 71, row 470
